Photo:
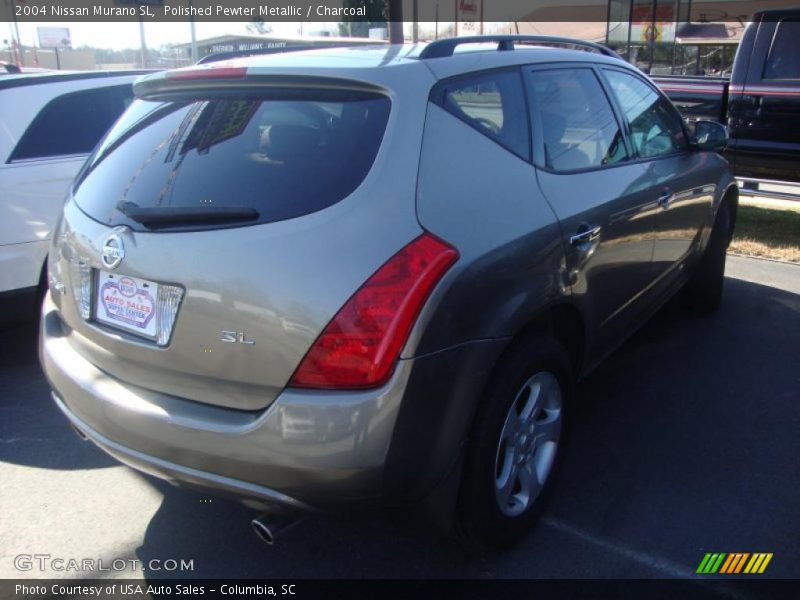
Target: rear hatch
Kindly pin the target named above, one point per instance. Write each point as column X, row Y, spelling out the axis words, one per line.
column 218, row 229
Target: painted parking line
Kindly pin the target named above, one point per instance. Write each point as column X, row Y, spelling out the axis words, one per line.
column 665, row 566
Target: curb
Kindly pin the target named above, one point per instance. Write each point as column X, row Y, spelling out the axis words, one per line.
column 775, row 260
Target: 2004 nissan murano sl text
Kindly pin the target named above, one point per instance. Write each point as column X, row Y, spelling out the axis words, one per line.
column 373, row 275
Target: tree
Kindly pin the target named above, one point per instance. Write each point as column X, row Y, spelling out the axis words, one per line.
column 259, row 27
column 376, row 16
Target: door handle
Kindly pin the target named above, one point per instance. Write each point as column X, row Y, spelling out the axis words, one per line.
column 665, row 199
column 585, row 235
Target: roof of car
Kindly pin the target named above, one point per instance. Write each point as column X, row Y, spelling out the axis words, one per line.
column 43, row 77
column 367, row 63
column 339, row 57
column 391, row 55
column 477, row 58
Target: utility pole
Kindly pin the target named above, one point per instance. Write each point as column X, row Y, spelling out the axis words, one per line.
column 415, row 26
column 194, row 37
column 143, row 44
column 395, row 21
column 15, row 44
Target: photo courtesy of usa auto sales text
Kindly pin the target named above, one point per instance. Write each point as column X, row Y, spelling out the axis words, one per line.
column 146, row 591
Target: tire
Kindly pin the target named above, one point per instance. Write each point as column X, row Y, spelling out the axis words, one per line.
column 703, row 291
column 493, row 512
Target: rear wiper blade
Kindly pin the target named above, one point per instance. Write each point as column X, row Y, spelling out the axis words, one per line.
column 155, row 216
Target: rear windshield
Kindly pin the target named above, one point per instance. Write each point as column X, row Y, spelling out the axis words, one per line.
column 261, row 158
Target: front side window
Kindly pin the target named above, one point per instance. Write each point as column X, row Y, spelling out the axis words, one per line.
column 655, row 125
column 494, row 104
column 72, row 124
column 579, row 129
column 782, row 62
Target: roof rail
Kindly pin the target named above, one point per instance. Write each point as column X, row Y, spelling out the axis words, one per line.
column 274, row 50
column 446, row 47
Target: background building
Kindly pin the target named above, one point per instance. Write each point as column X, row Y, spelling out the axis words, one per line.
column 686, row 37
column 235, row 43
column 674, row 37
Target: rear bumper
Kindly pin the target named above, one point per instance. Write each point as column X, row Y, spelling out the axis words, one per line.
column 308, row 450
column 179, row 473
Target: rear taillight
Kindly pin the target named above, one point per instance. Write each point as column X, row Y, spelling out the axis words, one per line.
column 359, row 347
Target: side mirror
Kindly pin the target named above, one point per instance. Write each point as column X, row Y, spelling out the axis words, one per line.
column 709, row 136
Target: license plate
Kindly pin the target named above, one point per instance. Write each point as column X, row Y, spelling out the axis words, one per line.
column 127, row 303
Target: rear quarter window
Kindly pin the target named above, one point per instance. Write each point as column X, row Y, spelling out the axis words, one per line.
column 492, row 103
column 285, row 154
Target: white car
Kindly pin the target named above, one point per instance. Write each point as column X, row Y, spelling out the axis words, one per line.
column 49, row 123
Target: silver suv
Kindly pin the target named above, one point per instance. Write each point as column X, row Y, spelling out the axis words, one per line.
column 326, row 278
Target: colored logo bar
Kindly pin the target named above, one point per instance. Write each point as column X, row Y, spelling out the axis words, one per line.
column 734, row 563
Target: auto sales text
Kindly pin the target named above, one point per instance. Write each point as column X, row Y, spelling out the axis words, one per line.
column 140, row 590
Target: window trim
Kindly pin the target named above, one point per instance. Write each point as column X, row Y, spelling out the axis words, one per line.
column 535, row 118
column 13, row 157
column 637, row 159
column 19, row 162
column 436, row 96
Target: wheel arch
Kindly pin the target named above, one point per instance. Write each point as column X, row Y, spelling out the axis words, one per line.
column 730, row 198
column 415, row 468
column 562, row 321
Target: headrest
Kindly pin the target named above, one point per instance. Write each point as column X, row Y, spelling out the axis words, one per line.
column 287, row 143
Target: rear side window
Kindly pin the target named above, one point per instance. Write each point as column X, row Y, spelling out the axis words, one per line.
column 783, row 61
column 281, row 155
column 579, row 129
column 655, row 124
column 494, row 104
column 74, row 123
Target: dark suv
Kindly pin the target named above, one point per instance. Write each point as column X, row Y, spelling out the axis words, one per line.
column 366, row 275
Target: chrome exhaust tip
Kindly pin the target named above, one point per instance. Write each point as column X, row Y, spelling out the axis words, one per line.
column 267, row 527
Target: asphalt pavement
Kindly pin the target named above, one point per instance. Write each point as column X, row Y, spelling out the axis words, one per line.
column 685, row 441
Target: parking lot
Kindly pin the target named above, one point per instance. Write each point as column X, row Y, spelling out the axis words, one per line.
column 685, row 442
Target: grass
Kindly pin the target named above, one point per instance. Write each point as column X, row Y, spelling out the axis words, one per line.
column 767, row 232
